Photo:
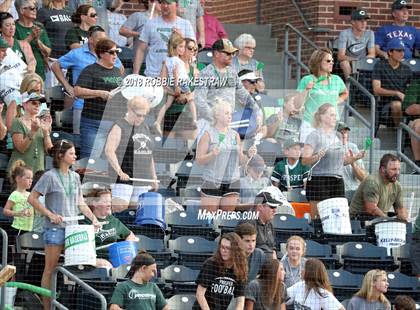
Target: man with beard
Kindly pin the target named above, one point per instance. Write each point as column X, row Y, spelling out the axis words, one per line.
column 378, row 192
column 356, row 42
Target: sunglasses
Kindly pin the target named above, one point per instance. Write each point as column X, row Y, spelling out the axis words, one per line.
column 330, row 61
column 252, row 81
column 31, row 8
column 37, row 103
column 114, row 52
column 61, row 145
column 192, row 48
column 93, row 15
column 250, row 47
column 228, row 54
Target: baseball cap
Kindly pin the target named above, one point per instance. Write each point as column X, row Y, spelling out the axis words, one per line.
column 169, row 1
column 399, row 4
column 33, row 97
column 248, row 76
column 224, row 45
column 341, row 126
column 359, row 14
column 270, row 195
column 291, row 142
column 3, row 44
column 395, row 44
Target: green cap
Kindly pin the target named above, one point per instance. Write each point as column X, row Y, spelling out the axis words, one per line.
column 291, row 142
column 170, row 1
column 3, row 44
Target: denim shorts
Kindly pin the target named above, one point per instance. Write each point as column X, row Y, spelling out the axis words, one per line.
column 54, row 236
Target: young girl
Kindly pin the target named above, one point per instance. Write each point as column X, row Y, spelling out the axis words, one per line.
column 17, row 205
column 175, row 70
column 268, row 291
column 294, row 260
column 138, row 292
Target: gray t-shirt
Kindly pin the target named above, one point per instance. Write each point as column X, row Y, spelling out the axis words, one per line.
column 224, row 85
column 333, row 162
column 135, row 22
column 253, row 292
column 351, row 183
column 356, row 47
column 255, row 262
column 224, row 168
column 51, row 187
column 156, row 34
column 358, row 303
column 190, row 10
column 292, row 275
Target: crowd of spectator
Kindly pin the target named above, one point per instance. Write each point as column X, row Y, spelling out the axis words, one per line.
column 77, row 46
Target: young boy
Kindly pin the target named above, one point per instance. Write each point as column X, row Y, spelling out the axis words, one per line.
column 297, row 172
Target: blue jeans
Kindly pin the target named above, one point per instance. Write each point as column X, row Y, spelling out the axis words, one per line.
column 93, row 134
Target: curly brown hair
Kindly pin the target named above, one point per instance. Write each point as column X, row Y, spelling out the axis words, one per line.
column 238, row 260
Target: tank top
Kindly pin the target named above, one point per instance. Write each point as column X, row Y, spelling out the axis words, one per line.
column 225, row 166
column 135, row 151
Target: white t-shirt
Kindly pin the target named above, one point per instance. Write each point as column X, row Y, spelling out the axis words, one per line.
column 12, row 69
column 176, row 62
column 312, row 301
column 156, row 34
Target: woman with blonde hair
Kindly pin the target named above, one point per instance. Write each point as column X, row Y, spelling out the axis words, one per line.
column 324, row 152
column 294, row 260
column 371, row 295
column 320, row 87
column 223, row 276
column 315, row 291
column 220, row 153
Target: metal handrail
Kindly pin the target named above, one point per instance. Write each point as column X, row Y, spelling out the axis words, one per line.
column 55, row 303
column 298, row 57
column 302, row 16
column 371, row 125
column 399, row 144
column 5, row 240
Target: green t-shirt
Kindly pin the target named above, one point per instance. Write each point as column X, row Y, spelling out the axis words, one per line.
column 20, row 201
column 374, row 190
column 320, row 94
column 112, row 231
column 412, row 96
column 21, row 34
column 34, row 155
column 75, row 35
column 297, row 174
column 132, row 296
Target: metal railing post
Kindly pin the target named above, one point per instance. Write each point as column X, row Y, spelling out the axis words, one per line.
column 5, row 245
column 286, row 58
column 299, row 57
column 400, row 142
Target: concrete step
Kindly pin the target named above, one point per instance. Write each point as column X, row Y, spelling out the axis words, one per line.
column 257, row 31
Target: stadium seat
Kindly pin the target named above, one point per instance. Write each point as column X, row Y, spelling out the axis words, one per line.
column 180, row 279
column 358, row 234
column 169, row 150
column 286, row 225
column 62, row 135
column 183, row 223
column 323, row 252
column 360, row 257
column 401, row 284
column 29, row 257
column 127, row 216
column 225, row 226
column 181, row 302
column 344, row 283
column 204, row 58
column 189, row 175
column 156, row 248
column 192, row 251
column 29, row 241
column 403, row 255
column 414, row 65
column 190, row 192
column 90, row 273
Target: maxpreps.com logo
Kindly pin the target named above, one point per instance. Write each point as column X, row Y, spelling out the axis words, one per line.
column 204, row 215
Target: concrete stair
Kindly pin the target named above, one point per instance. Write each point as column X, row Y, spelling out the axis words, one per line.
column 265, row 52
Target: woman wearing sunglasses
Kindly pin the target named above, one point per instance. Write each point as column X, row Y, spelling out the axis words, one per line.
column 63, row 202
column 320, row 87
column 31, row 134
column 94, row 85
column 84, row 18
column 129, row 147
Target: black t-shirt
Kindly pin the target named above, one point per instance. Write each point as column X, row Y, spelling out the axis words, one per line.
column 135, row 151
column 56, row 23
column 75, row 35
column 221, row 285
column 98, row 77
column 392, row 79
